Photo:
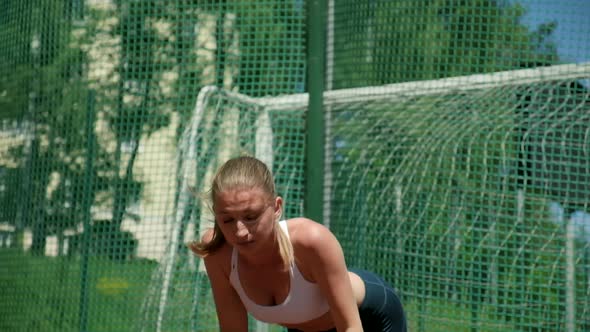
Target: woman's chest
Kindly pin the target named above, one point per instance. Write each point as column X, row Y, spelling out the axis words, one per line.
column 265, row 286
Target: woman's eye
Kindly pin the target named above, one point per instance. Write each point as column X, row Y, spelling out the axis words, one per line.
column 250, row 218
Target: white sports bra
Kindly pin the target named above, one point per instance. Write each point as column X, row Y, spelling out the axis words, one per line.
column 303, row 303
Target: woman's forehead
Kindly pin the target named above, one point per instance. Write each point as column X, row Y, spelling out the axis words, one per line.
column 241, row 196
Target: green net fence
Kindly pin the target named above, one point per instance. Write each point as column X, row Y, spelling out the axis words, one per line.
column 457, row 153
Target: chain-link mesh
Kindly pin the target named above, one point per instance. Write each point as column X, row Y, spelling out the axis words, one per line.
column 452, row 196
column 458, row 153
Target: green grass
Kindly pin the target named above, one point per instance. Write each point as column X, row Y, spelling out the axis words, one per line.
column 441, row 316
column 43, row 293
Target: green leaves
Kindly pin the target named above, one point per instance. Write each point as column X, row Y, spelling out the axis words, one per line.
column 379, row 42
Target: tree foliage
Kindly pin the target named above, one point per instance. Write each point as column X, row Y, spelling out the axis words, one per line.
column 380, row 42
column 47, row 105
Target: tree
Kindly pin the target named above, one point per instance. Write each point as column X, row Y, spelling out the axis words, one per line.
column 400, row 41
column 49, row 103
column 51, row 130
column 136, row 113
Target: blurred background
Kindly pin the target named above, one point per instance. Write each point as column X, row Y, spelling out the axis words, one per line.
column 446, row 143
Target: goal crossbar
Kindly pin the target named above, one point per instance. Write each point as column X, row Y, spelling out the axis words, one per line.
column 417, row 88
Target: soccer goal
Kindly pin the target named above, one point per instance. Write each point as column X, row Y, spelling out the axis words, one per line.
column 448, row 187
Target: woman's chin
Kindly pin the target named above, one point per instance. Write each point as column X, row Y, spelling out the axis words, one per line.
column 247, row 246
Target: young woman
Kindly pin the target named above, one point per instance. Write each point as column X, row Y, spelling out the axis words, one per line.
column 289, row 272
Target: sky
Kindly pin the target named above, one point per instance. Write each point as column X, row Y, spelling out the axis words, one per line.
column 572, row 35
column 572, row 38
column 580, row 220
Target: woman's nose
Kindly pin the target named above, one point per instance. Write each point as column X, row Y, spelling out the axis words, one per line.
column 241, row 229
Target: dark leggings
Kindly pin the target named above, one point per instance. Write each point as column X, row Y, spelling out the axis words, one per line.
column 381, row 310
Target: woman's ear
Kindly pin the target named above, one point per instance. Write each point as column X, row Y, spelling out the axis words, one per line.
column 278, row 207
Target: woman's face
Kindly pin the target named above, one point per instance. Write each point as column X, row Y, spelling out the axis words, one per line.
column 246, row 216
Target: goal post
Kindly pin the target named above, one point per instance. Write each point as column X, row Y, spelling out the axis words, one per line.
column 441, row 186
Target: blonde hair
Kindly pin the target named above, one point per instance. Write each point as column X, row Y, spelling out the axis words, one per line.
column 242, row 172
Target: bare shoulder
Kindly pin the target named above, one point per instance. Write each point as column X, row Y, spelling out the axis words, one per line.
column 316, row 248
column 308, row 234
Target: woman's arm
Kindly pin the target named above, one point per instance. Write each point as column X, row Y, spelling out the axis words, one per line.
column 231, row 313
column 324, row 258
